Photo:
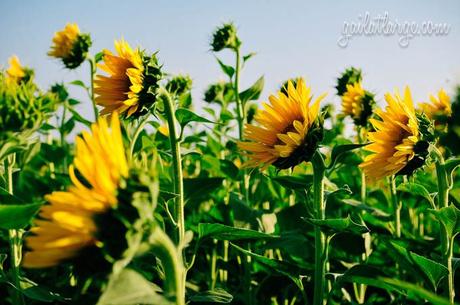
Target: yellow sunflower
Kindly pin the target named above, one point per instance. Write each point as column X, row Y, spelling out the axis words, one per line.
column 70, row 46
column 438, row 106
column 396, row 146
column 66, row 225
column 16, row 72
column 357, row 103
column 120, row 90
column 289, row 129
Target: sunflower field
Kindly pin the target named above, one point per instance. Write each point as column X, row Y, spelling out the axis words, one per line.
column 278, row 198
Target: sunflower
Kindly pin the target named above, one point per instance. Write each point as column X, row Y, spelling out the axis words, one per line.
column 67, row 224
column 397, row 145
column 289, row 132
column 132, row 76
column 438, row 107
column 70, row 46
column 357, row 103
column 16, row 73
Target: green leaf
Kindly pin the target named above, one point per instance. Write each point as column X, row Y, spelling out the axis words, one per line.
column 73, row 102
column 223, row 232
column 17, row 216
column 416, row 189
column 450, row 219
column 246, row 57
column 450, row 166
column 432, row 271
column 217, row 295
column 79, row 83
column 253, row 92
column 340, row 225
column 41, row 294
column 339, row 151
column 301, row 182
column 68, row 126
column 130, row 288
column 198, row 188
column 79, row 118
column 291, row 271
column 416, row 292
column 229, row 169
column 229, row 70
column 185, row 116
column 364, row 207
column 98, row 57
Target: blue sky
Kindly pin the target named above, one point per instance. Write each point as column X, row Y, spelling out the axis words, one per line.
column 292, row 38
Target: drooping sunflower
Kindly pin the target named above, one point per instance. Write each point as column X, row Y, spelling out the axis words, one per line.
column 130, row 89
column 357, row 103
column 290, row 129
column 398, row 145
column 439, row 106
column 70, row 46
column 349, row 77
column 16, row 73
column 67, row 224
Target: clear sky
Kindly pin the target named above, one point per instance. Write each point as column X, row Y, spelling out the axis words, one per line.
column 292, row 38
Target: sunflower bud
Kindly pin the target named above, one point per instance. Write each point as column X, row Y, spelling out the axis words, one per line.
column 349, row 77
column 358, row 104
column 70, row 46
column 22, row 107
column 225, row 37
column 179, row 85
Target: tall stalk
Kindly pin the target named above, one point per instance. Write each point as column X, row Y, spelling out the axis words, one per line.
column 446, row 240
column 14, row 238
column 92, row 66
column 396, row 207
column 178, row 177
column 320, row 237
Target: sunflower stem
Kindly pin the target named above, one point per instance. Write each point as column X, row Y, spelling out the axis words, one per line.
column 136, row 134
column 171, row 259
column 14, row 238
column 396, row 207
column 62, row 133
column 320, row 237
column 178, row 177
column 447, row 242
column 92, row 66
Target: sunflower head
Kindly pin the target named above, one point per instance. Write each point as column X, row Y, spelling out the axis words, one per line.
column 225, row 37
column 350, row 76
column 399, row 144
column 289, row 129
column 438, row 109
column 357, row 103
column 131, row 87
column 70, row 46
column 451, row 137
column 94, row 213
column 220, row 93
column 16, row 73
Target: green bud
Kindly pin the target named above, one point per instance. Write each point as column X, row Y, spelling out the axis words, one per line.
column 179, row 85
column 225, row 37
column 350, row 76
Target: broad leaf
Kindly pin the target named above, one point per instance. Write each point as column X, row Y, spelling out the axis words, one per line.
column 129, row 288
column 417, row 189
column 339, row 151
column 223, row 232
column 284, row 268
column 294, row 182
column 341, row 225
column 185, row 116
column 229, row 70
column 17, row 216
column 253, row 92
column 450, row 219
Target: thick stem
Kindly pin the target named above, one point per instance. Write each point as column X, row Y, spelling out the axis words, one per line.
column 446, row 240
column 137, row 132
column 62, row 134
column 239, row 105
column 320, row 237
column 173, row 266
column 14, row 239
column 178, row 177
column 396, row 207
column 92, row 66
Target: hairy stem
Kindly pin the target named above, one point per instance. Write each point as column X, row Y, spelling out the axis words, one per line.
column 396, row 207
column 92, row 66
column 320, row 237
column 14, row 239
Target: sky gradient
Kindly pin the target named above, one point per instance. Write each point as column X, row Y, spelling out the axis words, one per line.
column 291, row 38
